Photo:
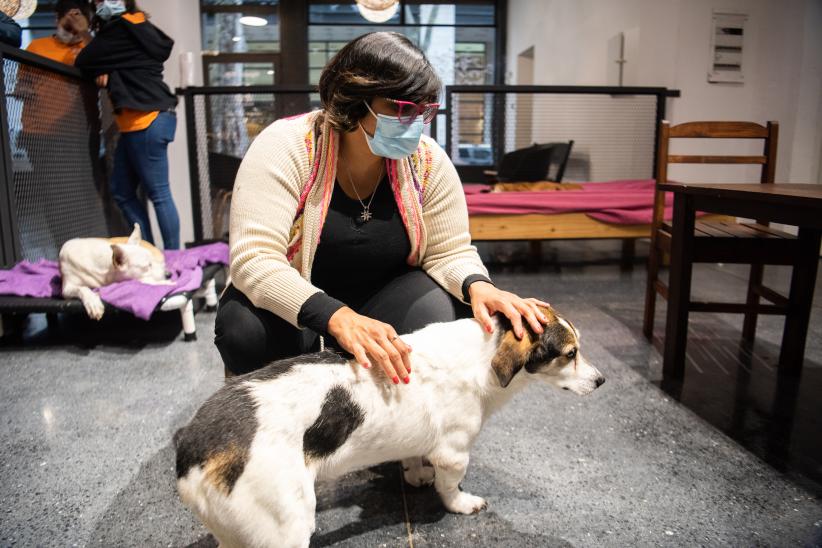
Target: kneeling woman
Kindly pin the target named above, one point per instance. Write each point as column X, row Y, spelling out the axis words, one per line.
column 349, row 222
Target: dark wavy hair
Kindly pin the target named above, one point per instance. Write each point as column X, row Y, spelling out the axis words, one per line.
column 62, row 7
column 377, row 64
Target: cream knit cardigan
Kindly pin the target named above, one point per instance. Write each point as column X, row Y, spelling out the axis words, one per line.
column 275, row 180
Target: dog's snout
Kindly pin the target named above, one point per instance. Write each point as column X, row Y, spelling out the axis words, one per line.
column 600, row 381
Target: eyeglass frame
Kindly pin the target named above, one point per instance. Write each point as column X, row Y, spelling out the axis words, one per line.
column 420, row 109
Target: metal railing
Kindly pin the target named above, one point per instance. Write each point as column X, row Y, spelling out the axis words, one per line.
column 52, row 181
column 221, row 123
column 613, row 128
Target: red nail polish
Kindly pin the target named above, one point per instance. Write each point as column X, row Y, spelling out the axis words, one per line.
column 396, row 380
column 488, row 328
column 406, row 380
column 366, row 365
column 409, row 368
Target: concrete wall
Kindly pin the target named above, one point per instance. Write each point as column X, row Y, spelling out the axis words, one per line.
column 668, row 44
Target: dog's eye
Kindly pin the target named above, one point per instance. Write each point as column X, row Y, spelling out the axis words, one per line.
column 572, row 354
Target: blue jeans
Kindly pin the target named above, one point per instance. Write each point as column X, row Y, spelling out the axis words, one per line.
column 142, row 158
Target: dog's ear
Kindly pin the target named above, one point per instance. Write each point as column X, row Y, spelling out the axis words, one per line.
column 118, row 256
column 136, row 235
column 512, row 355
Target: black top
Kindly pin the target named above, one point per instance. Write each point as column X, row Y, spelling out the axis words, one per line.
column 355, row 258
column 132, row 54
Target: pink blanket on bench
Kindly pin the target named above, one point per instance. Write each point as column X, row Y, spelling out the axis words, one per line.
column 617, row 202
column 42, row 279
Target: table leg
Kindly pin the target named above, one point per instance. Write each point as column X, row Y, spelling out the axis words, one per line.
column 803, row 281
column 679, row 288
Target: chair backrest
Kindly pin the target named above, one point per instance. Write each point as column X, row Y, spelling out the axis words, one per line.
column 713, row 130
column 535, row 163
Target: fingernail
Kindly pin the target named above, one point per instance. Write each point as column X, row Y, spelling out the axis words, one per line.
column 406, row 380
column 396, row 380
column 367, row 365
column 409, row 368
column 488, row 328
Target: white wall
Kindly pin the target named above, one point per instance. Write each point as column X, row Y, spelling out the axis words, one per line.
column 180, row 19
column 668, row 43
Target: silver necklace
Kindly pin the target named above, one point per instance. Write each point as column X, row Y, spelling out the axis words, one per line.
column 366, row 215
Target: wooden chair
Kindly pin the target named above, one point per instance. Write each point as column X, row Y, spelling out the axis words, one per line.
column 721, row 241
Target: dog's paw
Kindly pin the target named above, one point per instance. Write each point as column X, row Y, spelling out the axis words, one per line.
column 416, row 473
column 466, row 503
column 94, row 306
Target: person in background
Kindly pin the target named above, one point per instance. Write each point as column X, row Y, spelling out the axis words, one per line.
column 126, row 57
column 10, row 31
column 71, row 36
column 51, row 107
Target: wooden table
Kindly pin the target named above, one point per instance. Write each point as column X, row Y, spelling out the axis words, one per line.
column 791, row 204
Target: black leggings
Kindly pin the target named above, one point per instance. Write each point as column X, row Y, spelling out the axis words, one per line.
column 249, row 337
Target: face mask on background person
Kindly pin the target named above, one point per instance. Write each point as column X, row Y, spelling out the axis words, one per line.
column 67, row 37
column 110, row 8
column 393, row 139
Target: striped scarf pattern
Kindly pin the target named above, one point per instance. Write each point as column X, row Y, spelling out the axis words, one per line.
column 408, row 178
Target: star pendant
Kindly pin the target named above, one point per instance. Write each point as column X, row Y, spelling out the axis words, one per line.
column 365, row 216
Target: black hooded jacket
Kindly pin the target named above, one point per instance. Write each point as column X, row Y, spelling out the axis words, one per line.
column 132, row 54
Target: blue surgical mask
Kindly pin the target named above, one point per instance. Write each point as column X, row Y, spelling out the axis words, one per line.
column 110, row 8
column 393, row 139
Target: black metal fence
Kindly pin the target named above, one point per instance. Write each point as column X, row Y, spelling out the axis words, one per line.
column 221, row 122
column 613, row 130
column 52, row 182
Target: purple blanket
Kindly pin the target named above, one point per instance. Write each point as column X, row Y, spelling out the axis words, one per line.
column 42, row 279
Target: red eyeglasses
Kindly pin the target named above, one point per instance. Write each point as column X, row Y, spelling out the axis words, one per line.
column 407, row 111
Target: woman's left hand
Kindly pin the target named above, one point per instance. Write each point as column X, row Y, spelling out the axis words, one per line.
column 487, row 300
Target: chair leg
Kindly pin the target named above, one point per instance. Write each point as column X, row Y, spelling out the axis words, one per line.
column 803, row 280
column 650, row 292
column 749, row 325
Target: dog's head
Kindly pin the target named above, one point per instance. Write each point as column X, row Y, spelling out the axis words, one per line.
column 553, row 356
column 133, row 261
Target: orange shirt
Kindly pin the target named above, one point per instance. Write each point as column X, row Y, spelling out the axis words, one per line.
column 129, row 119
column 56, row 50
column 45, row 98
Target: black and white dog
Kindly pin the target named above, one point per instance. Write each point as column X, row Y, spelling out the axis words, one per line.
column 248, row 460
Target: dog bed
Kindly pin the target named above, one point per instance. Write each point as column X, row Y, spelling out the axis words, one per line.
column 36, row 288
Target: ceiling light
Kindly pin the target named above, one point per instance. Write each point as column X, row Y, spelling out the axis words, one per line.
column 378, row 11
column 253, row 21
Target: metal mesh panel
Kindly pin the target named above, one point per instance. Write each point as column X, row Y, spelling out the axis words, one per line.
column 53, row 125
column 614, row 135
column 225, row 124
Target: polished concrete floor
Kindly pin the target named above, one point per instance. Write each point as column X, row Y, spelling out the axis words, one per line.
column 88, row 412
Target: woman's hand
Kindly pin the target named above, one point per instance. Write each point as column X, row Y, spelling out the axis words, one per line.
column 365, row 337
column 102, row 80
column 487, row 299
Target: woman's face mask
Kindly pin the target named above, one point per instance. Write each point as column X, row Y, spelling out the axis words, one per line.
column 393, row 139
column 110, row 8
